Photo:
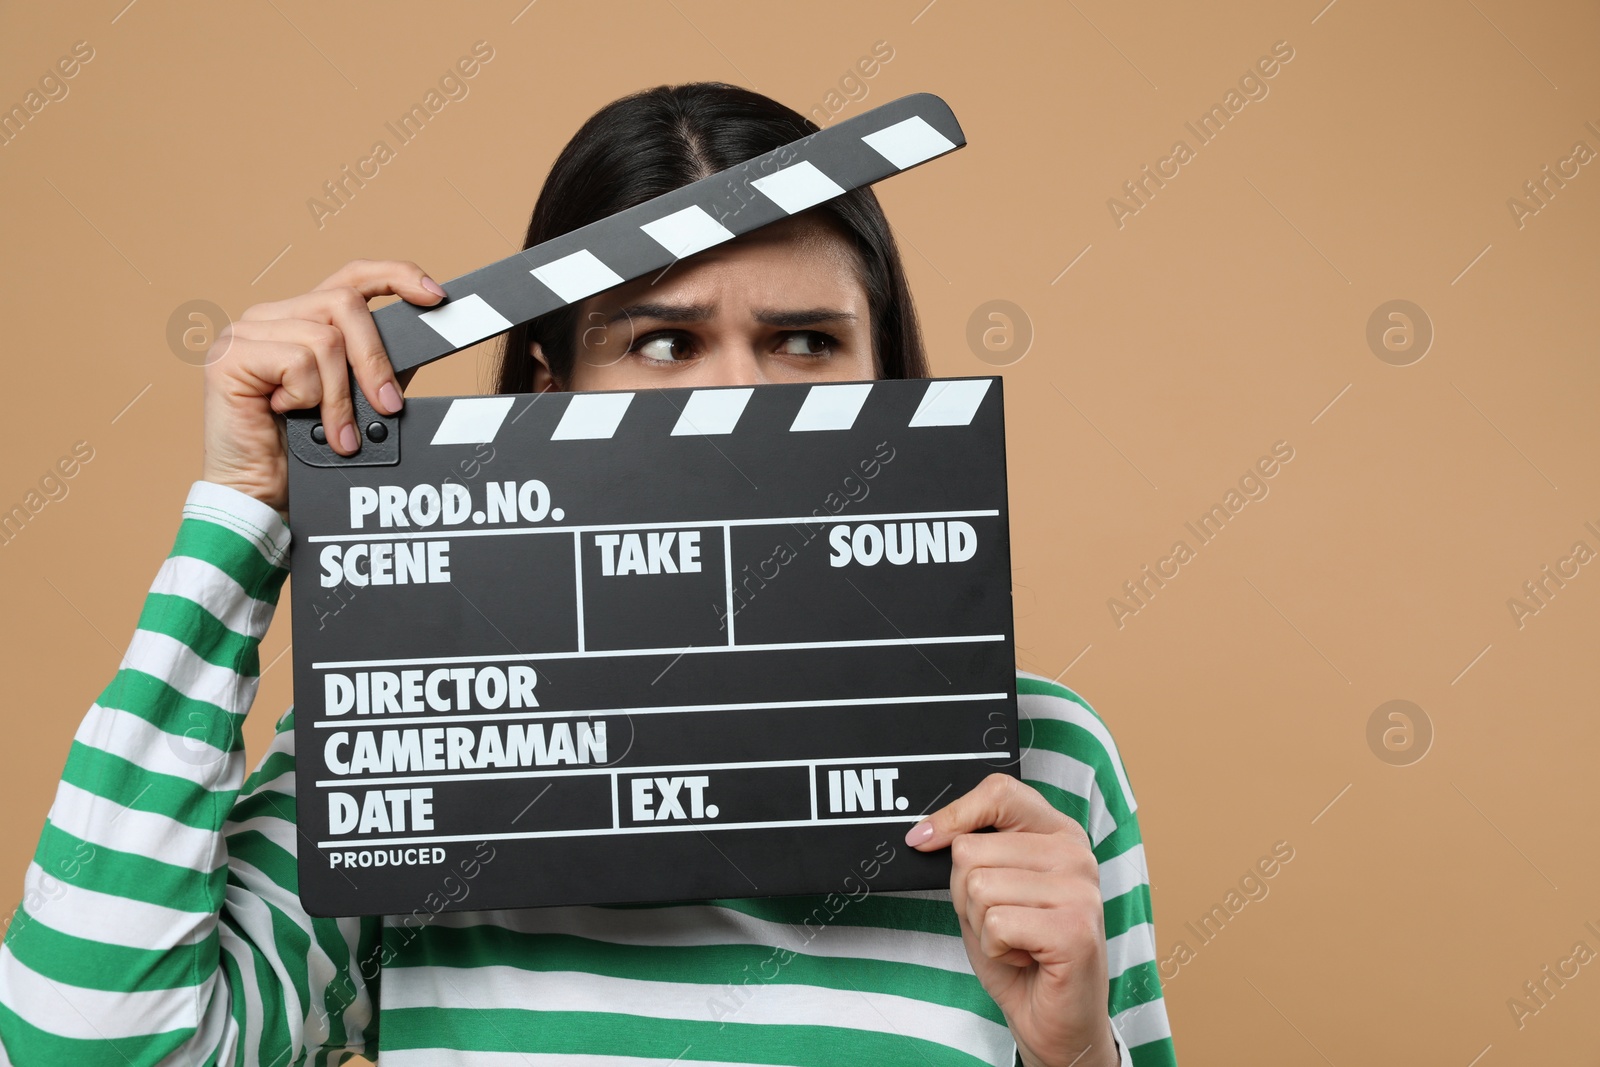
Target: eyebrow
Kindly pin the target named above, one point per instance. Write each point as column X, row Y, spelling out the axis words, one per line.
column 803, row 316
column 790, row 318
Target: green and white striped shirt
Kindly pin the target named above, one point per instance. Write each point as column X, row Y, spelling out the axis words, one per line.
column 161, row 924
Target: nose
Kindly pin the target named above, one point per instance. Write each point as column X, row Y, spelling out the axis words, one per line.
column 738, row 364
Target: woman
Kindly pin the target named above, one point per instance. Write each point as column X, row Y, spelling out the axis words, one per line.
column 160, row 921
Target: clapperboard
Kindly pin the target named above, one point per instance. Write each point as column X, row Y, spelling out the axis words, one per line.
column 644, row 646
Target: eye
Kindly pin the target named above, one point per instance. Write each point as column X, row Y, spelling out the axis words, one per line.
column 663, row 347
column 807, row 343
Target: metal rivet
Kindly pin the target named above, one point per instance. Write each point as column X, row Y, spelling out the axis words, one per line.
column 377, row 431
column 319, row 435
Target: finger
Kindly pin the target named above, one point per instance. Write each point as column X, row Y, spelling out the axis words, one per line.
column 338, row 413
column 1024, row 850
column 264, row 361
column 341, row 300
column 382, row 277
column 1044, row 935
column 283, row 372
column 357, row 282
column 326, row 345
column 347, row 310
column 990, row 887
column 1050, row 936
column 994, row 887
column 1004, row 931
column 1014, row 868
column 1000, row 801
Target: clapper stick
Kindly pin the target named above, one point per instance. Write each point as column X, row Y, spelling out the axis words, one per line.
column 630, row 244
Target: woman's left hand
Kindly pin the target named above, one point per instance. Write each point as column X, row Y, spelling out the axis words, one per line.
column 1028, row 899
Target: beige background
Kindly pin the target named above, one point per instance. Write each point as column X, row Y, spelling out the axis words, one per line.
column 1227, row 314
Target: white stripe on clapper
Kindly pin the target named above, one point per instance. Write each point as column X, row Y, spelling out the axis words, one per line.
column 798, row 187
column 576, row 276
column 711, row 411
column 950, row 403
column 683, row 233
column 909, row 142
column 831, row 407
column 465, row 320
column 472, row 420
column 592, row 416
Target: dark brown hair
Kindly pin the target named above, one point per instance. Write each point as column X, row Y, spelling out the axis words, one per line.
column 661, row 139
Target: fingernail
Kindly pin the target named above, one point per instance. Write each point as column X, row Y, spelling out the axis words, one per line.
column 347, row 438
column 919, row 833
column 432, row 286
column 391, row 397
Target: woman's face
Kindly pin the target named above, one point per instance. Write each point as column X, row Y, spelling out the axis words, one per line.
column 781, row 304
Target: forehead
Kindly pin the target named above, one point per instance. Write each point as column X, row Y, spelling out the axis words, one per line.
column 804, row 260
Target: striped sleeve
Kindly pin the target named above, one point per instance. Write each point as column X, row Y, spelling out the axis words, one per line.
column 159, row 921
column 1069, row 756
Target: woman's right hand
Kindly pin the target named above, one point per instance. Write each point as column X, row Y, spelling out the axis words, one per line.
column 298, row 353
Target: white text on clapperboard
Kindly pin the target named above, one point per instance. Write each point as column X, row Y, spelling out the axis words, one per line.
column 366, row 743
